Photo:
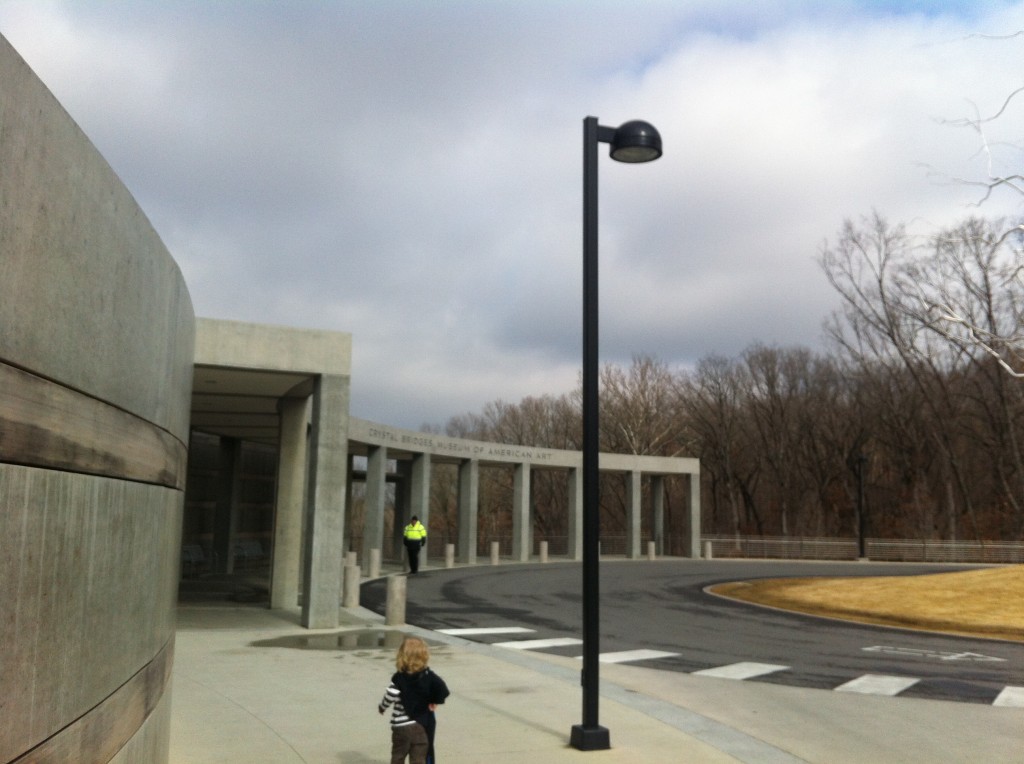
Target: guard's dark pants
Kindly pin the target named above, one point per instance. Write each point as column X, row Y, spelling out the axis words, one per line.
column 413, row 548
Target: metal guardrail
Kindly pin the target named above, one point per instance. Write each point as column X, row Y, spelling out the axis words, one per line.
column 947, row 551
column 773, row 548
column 887, row 550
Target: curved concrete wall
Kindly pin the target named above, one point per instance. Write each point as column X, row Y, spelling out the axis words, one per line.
column 96, row 343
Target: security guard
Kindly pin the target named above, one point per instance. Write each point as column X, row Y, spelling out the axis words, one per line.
column 415, row 538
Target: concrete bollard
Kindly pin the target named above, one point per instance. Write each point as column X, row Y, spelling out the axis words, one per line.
column 651, row 551
column 449, row 555
column 495, row 553
column 374, row 563
column 351, row 558
column 543, row 551
column 707, row 550
column 350, row 587
column 394, row 608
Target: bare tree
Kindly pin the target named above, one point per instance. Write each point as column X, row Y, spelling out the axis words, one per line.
column 775, row 379
column 638, row 408
column 877, row 270
column 978, row 298
column 995, row 180
column 1006, row 348
column 972, row 274
column 832, row 427
column 714, row 399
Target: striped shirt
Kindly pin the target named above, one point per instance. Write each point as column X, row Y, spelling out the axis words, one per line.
column 393, row 697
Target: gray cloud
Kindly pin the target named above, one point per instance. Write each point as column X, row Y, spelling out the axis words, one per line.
column 410, row 172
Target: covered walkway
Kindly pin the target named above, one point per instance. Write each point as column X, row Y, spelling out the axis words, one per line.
column 286, row 391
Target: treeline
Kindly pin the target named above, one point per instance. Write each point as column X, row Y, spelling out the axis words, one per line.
column 917, row 400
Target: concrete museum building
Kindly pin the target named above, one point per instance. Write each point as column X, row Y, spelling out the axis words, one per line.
column 106, row 379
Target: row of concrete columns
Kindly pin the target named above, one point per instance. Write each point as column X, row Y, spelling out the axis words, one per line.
column 314, row 480
column 413, row 492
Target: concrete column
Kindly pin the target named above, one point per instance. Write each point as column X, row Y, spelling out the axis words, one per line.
column 693, row 504
column 291, row 491
column 419, row 497
column 575, row 524
column 633, row 514
column 325, row 502
column 225, row 526
column 376, row 491
column 658, row 513
column 402, row 513
column 349, row 483
column 522, row 528
column 469, row 501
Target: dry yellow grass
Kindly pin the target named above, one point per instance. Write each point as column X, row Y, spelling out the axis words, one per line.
column 983, row 603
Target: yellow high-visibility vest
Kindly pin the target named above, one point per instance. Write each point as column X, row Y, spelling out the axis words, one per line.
column 415, row 531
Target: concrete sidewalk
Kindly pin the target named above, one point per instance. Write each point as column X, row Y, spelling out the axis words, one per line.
column 250, row 685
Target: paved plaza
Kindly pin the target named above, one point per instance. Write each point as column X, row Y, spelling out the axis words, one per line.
column 251, row 685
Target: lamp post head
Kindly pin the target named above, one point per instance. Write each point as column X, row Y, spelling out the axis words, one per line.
column 636, row 141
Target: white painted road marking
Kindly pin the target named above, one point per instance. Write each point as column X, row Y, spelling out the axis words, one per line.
column 539, row 644
column 744, row 670
column 1010, row 697
column 627, row 656
column 878, row 684
column 868, row 684
column 912, row 652
column 488, row 630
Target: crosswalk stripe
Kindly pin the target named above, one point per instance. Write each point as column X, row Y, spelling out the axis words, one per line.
column 539, row 644
column 488, row 630
column 868, row 684
column 742, row 670
column 1010, row 697
column 629, row 655
column 878, row 684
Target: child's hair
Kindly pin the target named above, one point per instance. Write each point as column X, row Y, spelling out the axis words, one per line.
column 413, row 655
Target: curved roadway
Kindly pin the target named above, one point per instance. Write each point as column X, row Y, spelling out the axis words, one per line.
column 662, row 606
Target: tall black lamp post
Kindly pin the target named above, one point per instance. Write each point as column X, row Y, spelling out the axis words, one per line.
column 632, row 142
column 861, row 516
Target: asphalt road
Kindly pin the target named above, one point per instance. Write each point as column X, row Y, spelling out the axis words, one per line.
column 661, row 605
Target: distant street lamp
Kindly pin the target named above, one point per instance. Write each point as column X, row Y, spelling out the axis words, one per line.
column 862, row 519
column 632, row 142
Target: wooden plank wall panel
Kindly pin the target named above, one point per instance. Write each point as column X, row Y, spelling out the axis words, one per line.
column 104, row 730
column 44, row 424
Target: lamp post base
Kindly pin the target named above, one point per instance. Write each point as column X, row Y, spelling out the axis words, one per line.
column 594, row 738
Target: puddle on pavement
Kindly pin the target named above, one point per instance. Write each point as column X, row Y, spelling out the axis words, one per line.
column 356, row 639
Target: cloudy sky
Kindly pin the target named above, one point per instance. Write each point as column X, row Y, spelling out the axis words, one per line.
column 410, row 171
